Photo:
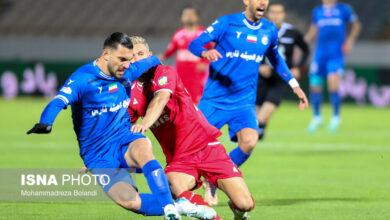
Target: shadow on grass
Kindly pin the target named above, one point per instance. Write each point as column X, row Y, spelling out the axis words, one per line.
column 285, row 202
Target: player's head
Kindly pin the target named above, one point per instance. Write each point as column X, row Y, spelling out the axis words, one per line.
column 190, row 16
column 117, row 54
column 329, row 2
column 141, row 48
column 276, row 13
column 255, row 9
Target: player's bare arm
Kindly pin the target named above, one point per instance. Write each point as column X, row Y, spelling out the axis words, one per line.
column 153, row 111
column 311, row 33
column 353, row 34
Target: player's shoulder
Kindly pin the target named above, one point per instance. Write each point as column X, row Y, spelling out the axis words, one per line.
column 269, row 25
column 179, row 33
column 165, row 69
column 318, row 8
column 83, row 73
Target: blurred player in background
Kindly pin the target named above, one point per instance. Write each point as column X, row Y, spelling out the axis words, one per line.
column 192, row 70
column 242, row 40
column 329, row 26
column 271, row 88
column 189, row 142
column 99, row 94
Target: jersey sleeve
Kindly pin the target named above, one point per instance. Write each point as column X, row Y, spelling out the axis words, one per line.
column 69, row 93
column 212, row 33
column 164, row 80
column 349, row 14
column 314, row 18
column 276, row 59
column 136, row 69
column 172, row 48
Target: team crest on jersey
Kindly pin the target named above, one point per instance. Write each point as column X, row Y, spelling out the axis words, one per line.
column 265, row 40
column 162, row 80
column 66, row 90
column 126, row 83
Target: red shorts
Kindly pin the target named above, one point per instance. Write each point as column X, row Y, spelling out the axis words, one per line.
column 212, row 163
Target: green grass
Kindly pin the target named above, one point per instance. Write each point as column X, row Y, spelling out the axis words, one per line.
column 292, row 174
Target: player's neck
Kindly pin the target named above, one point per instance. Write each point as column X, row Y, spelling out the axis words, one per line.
column 249, row 18
column 329, row 5
column 191, row 27
column 102, row 66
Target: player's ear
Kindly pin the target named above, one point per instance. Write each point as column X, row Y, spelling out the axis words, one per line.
column 105, row 54
column 245, row 2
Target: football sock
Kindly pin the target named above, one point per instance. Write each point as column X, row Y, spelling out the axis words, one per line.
column 238, row 157
column 150, row 206
column 158, row 182
column 336, row 102
column 262, row 128
column 316, row 100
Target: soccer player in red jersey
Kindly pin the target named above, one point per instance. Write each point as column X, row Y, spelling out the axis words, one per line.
column 188, row 141
column 192, row 70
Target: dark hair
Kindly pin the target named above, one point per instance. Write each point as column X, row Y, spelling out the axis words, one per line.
column 277, row 3
column 117, row 38
column 190, row 7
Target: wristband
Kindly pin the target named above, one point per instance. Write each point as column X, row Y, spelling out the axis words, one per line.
column 293, row 83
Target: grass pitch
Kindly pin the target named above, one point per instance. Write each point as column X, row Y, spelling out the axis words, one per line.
column 291, row 174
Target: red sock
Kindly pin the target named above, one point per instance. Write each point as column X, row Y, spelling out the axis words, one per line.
column 195, row 199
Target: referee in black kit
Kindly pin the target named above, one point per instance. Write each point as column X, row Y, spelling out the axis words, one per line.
column 271, row 88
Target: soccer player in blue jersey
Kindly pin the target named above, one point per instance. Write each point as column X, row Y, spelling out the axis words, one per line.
column 329, row 23
column 99, row 94
column 241, row 42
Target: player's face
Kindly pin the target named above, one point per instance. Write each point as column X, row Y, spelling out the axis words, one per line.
column 118, row 60
column 140, row 52
column 276, row 14
column 189, row 17
column 255, row 9
column 329, row 2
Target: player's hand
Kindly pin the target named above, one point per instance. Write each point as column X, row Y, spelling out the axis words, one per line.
column 347, row 46
column 295, row 72
column 265, row 71
column 161, row 57
column 212, row 55
column 40, row 128
column 303, row 102
column 138, row 128
column 83, row 170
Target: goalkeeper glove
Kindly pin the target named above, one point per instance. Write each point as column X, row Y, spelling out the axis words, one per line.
column 40, row 128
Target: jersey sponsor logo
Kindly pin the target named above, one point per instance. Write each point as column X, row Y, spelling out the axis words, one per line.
column 251, row 38
column 112, row 87
column 161, row 120
column 245, row 56
column 162, row 80
column 265, row 40
column 238, row 34
column 330, row 22
column 113, row 108
column 66, row 90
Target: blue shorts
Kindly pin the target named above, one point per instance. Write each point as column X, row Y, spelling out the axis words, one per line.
column 113, row 159
column 237, row 119
column 321, row 67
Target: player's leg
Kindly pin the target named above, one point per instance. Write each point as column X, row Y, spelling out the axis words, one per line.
column 238, row 193
column 262, row 91
column 316, row 83
column 139, row 154
column 335, row 68
column 243, row 127
column 182, row 178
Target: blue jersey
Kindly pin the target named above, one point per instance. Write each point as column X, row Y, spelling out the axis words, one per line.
column 99, row 106
column 243, row 44
column 331, row 23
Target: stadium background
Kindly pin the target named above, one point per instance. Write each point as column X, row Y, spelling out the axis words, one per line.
column 293, row 175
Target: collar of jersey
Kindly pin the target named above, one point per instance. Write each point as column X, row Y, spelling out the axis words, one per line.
column 250, row 24
column 100, row 72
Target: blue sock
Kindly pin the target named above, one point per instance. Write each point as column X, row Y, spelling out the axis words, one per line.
column 335, row 100
column 316, row 101
column 150, row 206
column 158, row 182
column 238, row 157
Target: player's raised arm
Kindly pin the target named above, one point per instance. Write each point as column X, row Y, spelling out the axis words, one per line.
column 355, row 30
column 281, row 67
column 68, row 94
column 136, row 69
column 212, row 33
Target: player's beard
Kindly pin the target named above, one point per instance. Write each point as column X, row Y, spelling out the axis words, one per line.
column 112, row 71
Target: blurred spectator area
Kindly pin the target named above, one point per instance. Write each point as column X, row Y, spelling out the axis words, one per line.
column 78, row 18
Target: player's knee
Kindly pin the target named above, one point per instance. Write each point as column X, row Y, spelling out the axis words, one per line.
column 249, row 143
column 245, row 204
column 143, row 150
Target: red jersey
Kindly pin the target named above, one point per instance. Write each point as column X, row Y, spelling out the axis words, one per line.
column 181, row 129
column 192, row 69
